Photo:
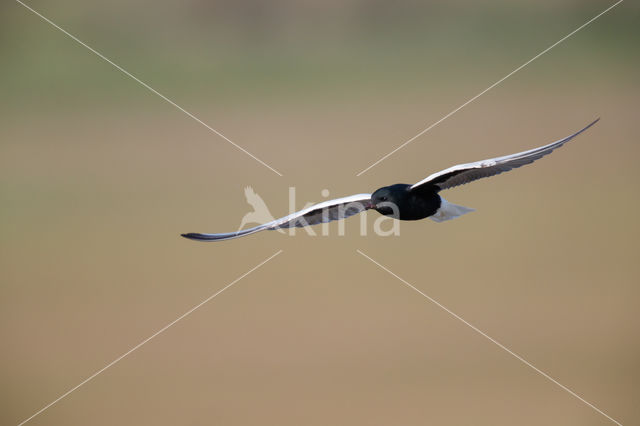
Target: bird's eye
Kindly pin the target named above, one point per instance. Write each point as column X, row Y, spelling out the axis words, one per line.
column 383, row 198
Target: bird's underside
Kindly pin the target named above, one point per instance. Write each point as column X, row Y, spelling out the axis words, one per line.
column 399, row 200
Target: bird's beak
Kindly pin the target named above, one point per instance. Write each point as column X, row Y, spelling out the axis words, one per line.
column 370, row 205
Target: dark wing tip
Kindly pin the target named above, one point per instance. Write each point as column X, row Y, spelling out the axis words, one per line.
column 568, row 138
column 591, row 124
column 195, row 236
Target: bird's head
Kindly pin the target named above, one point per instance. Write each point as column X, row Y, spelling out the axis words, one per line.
column 386, row 200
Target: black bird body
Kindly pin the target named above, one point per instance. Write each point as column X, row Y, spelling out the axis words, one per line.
column 402, row 201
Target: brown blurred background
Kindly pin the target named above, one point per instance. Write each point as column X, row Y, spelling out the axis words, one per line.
column 98, row 177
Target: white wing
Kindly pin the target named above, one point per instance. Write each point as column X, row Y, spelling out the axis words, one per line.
column 326, row 211
column 465, row 173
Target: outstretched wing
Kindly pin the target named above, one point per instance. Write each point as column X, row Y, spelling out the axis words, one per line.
column 465, row 173
column 326, row 211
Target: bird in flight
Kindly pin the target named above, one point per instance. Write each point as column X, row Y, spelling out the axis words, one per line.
column 402, row 201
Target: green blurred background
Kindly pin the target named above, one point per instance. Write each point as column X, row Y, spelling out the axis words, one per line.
column 98, row 177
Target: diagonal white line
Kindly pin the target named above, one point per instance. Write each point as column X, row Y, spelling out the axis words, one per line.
column 491, row 87
column 127, row 73
column 149, row 338
column 500, row 345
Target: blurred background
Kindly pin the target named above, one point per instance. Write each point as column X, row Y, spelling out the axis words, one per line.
column 99, row 176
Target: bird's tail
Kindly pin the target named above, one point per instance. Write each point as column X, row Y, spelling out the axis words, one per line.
column 448, row 211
